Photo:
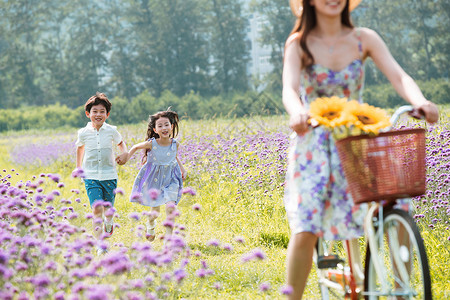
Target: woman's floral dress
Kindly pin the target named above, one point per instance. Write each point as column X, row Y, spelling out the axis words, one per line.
column 316, row 198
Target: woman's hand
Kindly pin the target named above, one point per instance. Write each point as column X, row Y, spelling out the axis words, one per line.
column 430, row 111
column 299, row 122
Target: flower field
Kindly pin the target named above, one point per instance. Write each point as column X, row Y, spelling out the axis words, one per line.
column 231, row 232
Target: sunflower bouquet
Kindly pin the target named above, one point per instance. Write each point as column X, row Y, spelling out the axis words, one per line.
column 347, row 118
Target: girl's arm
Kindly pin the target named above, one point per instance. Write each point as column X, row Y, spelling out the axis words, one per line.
column 402, row 82
column 124, row 157
column 298, row 120
column 183, row 170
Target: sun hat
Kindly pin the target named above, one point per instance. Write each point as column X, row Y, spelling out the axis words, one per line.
column 296, row 6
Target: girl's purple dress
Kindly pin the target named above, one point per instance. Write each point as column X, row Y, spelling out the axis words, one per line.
column 161, row 172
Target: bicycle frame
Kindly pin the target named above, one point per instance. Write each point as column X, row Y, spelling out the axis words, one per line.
column 349, row 284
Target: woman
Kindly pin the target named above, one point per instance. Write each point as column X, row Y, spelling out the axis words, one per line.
column 324, row 56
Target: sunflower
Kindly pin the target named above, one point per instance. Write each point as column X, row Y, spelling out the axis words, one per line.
column 330, row 112
column 368, row 118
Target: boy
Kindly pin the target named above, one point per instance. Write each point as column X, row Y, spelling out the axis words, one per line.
column 95, row 157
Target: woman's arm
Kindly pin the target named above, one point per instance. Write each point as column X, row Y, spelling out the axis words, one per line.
column 291, row 85
column 402, row 82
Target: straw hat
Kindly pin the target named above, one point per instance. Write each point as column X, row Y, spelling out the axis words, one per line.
column 296, row 6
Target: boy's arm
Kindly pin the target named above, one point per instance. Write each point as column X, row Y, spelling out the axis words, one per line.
column 123, row 147
column 80, row 155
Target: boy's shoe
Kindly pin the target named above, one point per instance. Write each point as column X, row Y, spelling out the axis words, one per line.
column 108, row 229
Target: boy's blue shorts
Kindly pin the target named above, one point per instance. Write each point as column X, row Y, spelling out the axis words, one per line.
column 100, row 190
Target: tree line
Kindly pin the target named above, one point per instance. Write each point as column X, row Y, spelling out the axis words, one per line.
column 64, row 51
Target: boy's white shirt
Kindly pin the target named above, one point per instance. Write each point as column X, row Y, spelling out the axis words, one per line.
column 98, row 160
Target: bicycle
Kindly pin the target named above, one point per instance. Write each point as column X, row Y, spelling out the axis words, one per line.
column 388, row 167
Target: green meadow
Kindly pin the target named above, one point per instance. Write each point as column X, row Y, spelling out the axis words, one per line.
column 236, row 167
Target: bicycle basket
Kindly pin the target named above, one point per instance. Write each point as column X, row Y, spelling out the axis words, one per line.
column 385, row 167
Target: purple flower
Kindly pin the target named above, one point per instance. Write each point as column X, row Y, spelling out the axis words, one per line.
column 201, row 273
column 196, row 206
column 110, row 212
column 286, row 290
column 154, row 193
column 78, row 173
column 254, row 254
column 213, row 242
column 136, row 197
column 41, row 280
column 119, row 191
column 179, row 275
column 135, row 215
column 227, row 247
column 54, row 177
column 264, row 287
column 239, row 239
column 188, row 190
column 168, row 223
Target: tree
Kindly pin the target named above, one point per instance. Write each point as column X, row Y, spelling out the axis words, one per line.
column 171, row 46
column 21, row 23
column 229, row 47
column 274, row 33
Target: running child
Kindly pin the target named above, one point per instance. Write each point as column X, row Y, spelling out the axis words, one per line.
column 95, row 157
column 160, row 180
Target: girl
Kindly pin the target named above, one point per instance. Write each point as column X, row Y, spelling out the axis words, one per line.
column 160, row 179
column 324, row 56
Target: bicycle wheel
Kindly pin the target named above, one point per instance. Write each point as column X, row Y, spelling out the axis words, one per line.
column 404, row 260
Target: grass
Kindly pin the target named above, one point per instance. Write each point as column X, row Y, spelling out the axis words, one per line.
column 228, row 211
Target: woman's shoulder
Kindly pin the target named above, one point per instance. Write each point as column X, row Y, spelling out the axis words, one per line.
column 293, row 38
column 366, row 34
column 293, row 42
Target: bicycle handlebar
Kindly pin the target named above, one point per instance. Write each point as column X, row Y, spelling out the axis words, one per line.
column 413, row 112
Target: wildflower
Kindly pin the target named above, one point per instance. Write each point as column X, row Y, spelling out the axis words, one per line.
column 286, row 290
column 54, row 177
column 264, row 287
column 189, row 190
column 119, row 191
column 136, row 197
column 168, row 223
column 78, row 173
column 227, row 247
column 254, row 254
column 201, row 273
column 240, row 240
column 179, row 275
column 154, row 194
column 196, row 207
column 213, row 242
column 135, row 215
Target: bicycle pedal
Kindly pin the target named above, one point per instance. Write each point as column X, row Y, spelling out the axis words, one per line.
column 328, row 261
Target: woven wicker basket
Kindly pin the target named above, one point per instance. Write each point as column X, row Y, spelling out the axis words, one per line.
column 385, row 167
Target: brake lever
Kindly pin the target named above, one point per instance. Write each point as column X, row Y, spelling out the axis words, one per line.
column 417, row 114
